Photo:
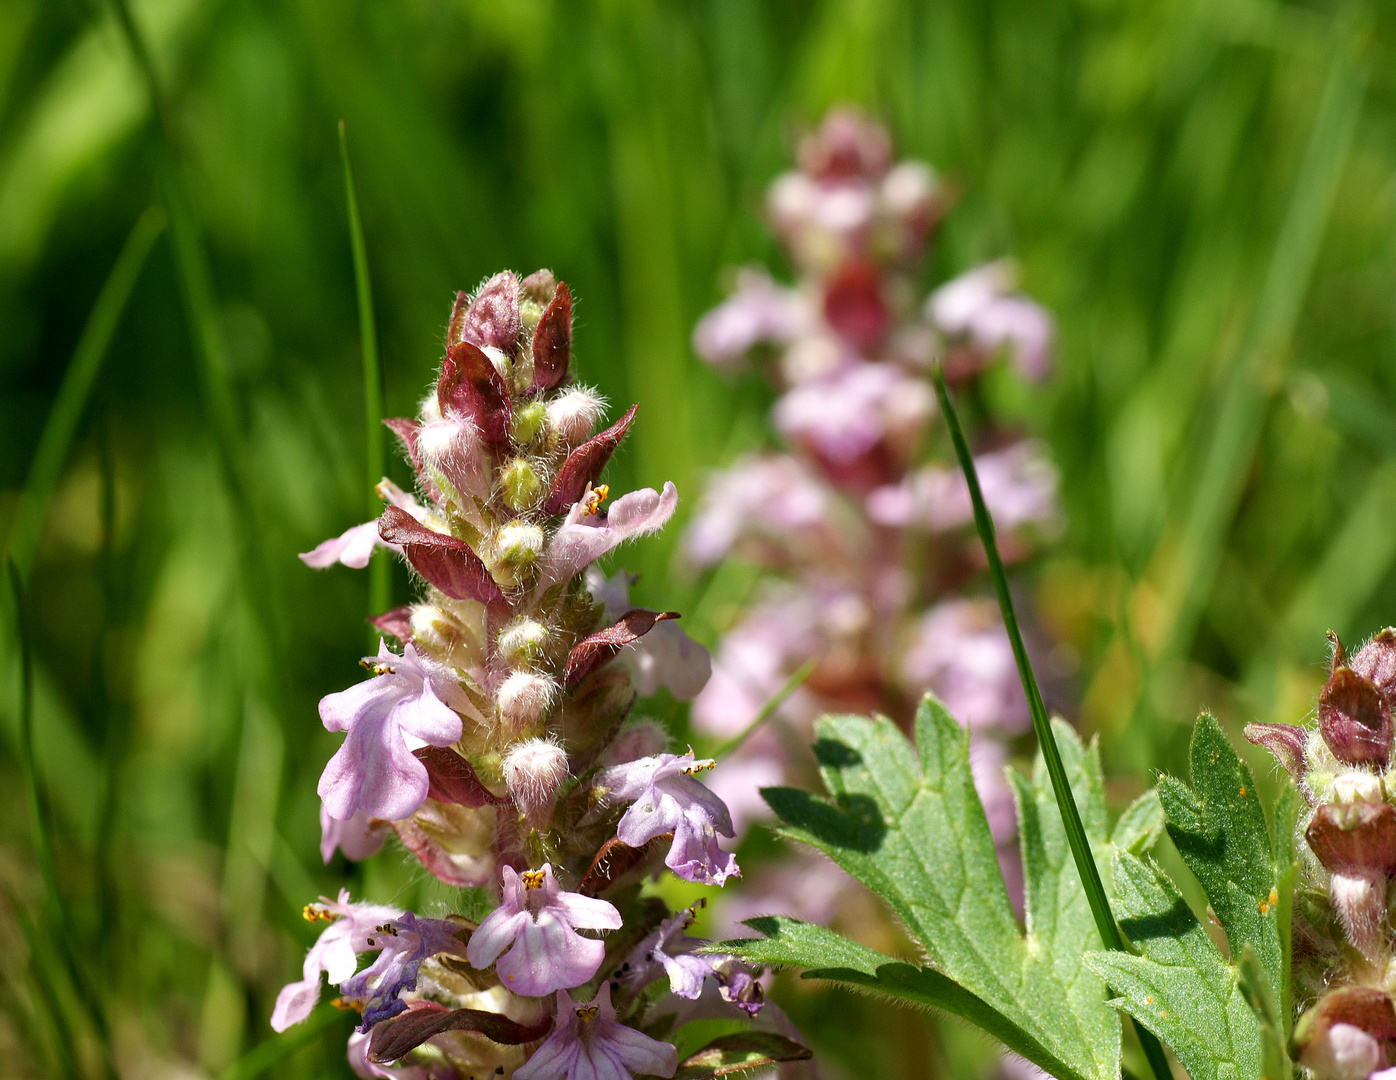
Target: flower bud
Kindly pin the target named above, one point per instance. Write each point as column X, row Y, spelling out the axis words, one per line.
column 451, row 451
column 1358, row 834
column 520, row 484
column 534, row 771
column 1357, row 786
column 573, row 414
column 516, row 546
column 524, row 698
column 522, row 642
column 1357, row 843
column 1342, row 1052
column 526, row 422
column 1376, row 662
column 1355, row 720
column 1285, row 741
column 1340, row 1037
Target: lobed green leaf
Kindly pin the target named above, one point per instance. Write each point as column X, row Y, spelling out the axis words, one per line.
column 1180, row 988
column 1219, row 828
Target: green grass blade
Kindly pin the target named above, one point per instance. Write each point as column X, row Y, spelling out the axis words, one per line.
column 379, row 568
column 76, row 388
column 1237, row 431
column 1061, row 787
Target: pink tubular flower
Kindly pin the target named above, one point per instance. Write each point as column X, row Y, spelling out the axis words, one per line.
column 403, row 944
column 374, row 770
column 588, row 1043
column 355, row 546
column 335, row 953
column 980, row 306
column 759, row 311
column 1019, row 485
column 584, row 537
column 848, row 414
column 359, row 837
column 666, row 798
column 665, row 656
column 771, row 499
column 537, row 923
column 670, row 951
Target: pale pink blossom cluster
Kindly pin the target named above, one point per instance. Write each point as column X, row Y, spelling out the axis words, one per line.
column 864, row 531
column 496, row 741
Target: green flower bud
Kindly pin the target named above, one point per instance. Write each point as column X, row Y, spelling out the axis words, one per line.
column 521, row 485
column 527, row 422
column 516, row 546
column 522, row 642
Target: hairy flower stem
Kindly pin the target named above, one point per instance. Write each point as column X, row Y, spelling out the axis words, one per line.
column 1051, row 755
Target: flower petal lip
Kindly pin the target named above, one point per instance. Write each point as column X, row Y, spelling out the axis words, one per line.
column 447, row 563
column 583, row 538
column 532, row 939
column 373, row 770
column 1285, row 741
column 588, row 1043
column 353, row 547
column 585, row 464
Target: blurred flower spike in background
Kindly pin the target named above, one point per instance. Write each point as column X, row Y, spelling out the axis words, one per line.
column 870, row 565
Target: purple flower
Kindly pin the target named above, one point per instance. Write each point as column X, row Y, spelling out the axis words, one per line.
column 670, row 951
column 666, row 798
column 772, row 499
column 960, row 650
column 588, row 1043
column 335, row 953
column 1019, row 485
column 355, row 546
column 980, row 305
column 537, row 923
column 403, row 944
column 665, row 656
column 758, row 311
column 584, row 537
column 842, row 417
column 359, row 837
column 374, row 771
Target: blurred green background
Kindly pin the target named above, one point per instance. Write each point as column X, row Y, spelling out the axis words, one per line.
column 1203, row 192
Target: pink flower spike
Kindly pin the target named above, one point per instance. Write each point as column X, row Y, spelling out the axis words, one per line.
column 374, row 770
column 335, row 953
column 666, row 798
column 588, row 1043
column 359, row 838
column 537, row 923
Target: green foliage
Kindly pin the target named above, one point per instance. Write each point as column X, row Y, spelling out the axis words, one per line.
column 1219, row 828
column 1219, row 1017
column 1181, row 988
column 911, row 828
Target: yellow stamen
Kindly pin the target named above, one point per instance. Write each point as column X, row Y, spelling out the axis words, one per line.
column 586, row 1013
column 377, row 669
column 591, row 502
column 532, row 879
column 347, row 1006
